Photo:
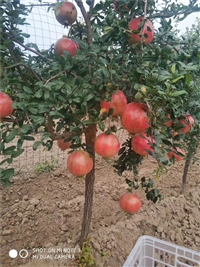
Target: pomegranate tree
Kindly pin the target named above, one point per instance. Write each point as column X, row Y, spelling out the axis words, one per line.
column 130, row 202
column 79, row 163
column 118, row 102
column 65, row 44
column 66, row 13
column 6, row 108
column 106, row 145
column 145, row 35
column 134, row 118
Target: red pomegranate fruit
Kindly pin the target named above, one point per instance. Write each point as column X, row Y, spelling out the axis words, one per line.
column 130, row 203
column 6, row 108
column 168, row 121
column 65, row 44
column 66, row 13
column 134, row 118
column 174, row 154
column 79, row 163
column 106, row 145
column 141, row 143
column 118, row 102
column 63, row 145
column 147, row 31
column 188, row 122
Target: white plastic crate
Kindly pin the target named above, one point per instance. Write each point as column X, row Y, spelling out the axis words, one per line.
column 153, row 252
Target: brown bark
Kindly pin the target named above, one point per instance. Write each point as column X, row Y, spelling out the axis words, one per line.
column 184, row 179
column 90, row 135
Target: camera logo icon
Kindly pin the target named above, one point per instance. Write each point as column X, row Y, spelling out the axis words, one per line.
column 23, row 253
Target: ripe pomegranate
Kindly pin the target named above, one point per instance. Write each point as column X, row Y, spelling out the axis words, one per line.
column 118, row 102
column 79, row 163
column 106, row 145
column 175, row 155
column 134, row 118
column 6, row 108
column 65, row 44
column 168, row 122
column 147, row 30
column 141, row 143
column 63, row 145
column 130, row 202
column 188, row 122
column 66, row 13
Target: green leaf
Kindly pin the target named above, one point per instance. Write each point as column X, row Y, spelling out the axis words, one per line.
column 17, row 153
column 2, row 146
column 27, row 90
column 36, row 145
column 39, row 93
column 46, row 95
column 33, row 110
column 80, row 43
column 167, row 142
column 187, row 79
column 122, row 150
column 11, row 135
column 101, row 125
column 9, row 150
column 7, row 174
column 29, row 138
column 177, row 79
column 26, row 35
column 178, row 93
column 26, row 128
column 173, row 69
column 20, row 143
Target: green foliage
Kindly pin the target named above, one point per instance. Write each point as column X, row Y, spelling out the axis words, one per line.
column 46, row 166
column 85, row 257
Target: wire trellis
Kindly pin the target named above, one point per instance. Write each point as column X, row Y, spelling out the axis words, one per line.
column 43, row 28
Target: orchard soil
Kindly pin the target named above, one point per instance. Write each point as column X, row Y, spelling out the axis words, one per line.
column 45, row 211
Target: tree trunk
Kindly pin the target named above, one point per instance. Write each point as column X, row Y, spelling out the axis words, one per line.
column 90, row 135
column 184, row 179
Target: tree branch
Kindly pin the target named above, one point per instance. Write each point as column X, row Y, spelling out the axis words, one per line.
column 87, row 20
column 12, row 53
column 56, row 136
column 26, row 66
column 24, row 46
column 175, row 14
column 57, row 75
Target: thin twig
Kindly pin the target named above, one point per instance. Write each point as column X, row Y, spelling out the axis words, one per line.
column 33, row 5
column 22, row 64
column 24, row 46
column 87, row 20
column 12, row 53
column 55, row 136
column 60, row 73
column 54, row 77
column 183, row 12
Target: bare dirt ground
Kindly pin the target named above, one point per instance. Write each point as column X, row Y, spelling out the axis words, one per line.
column 44, row 212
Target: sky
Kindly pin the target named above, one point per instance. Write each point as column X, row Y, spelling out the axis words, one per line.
column 45, row 30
